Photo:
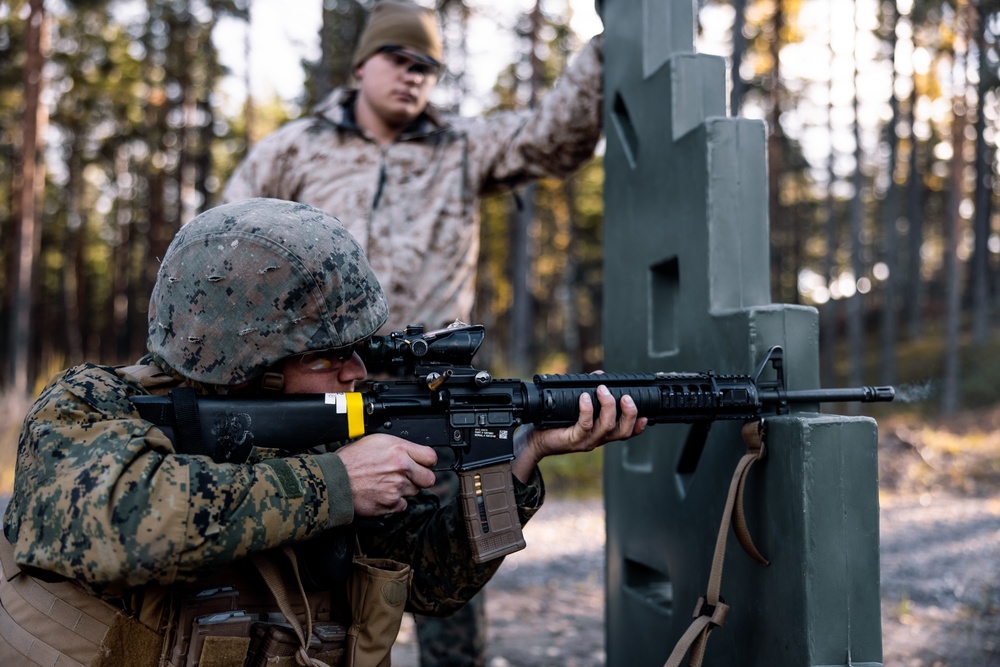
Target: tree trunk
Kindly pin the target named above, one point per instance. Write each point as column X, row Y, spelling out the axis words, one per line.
column 521, row 325
column 453, row 86
column 570, row 278
column 983, row 199
column 739, row 88
column 8, row 252
column 343, row 21
column 855, row 304
column 120, row 333
column 203, row 159
column 74, row 279
column 915, row 236
column 779, row 225
column 186, row 133
column 521, row 321
column 829, row 314
column 31, row 180
column 249, row 109
column 891, row 249
column 952, row 367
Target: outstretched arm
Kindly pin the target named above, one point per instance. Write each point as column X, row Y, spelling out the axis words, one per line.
column 553, row 139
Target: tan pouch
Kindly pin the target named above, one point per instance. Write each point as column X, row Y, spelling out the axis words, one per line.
column 377, row 592
column 276, row 645
column 194, row 605
column 310, row 651
column 220, row 640
column 58, row 623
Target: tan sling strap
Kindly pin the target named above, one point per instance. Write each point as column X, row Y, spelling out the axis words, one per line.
column 269, row 569
column 378, row 590
column 710, row 612
column 61, row 625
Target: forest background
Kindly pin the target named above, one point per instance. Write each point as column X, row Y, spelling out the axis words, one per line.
column 116, row 129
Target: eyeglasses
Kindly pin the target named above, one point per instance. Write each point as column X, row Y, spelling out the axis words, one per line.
column 418, row 62
column 324, row 360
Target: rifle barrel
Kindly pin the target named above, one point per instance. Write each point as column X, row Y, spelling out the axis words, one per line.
column 867, row 394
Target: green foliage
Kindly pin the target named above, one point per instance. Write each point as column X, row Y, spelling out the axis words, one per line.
column 576, row 476
column 920, row 365
column 139, row 142
column 135, row 146
column 981, row 369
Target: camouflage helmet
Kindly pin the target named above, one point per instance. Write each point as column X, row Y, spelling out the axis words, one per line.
column 245, row 285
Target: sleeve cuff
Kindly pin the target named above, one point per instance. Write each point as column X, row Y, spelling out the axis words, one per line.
column 529, row 495
column 338, row 489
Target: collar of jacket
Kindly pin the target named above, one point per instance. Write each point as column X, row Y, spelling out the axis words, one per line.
column 338, row 108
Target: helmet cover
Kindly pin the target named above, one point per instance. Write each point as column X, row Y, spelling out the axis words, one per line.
column 247, row 284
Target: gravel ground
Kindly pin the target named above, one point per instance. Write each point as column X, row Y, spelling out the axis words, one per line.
column 546, row 603
column 940, row 553
column 941, row 581
column 940, row 587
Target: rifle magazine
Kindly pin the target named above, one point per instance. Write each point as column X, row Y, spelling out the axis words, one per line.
column 491, row 519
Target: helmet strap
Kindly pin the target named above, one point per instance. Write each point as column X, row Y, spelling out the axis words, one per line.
column 272, row 381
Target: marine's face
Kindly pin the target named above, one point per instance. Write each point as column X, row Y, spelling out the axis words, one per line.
column 396, row 85
column 322, row 372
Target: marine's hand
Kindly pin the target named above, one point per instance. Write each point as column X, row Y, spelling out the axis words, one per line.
column 385, row 470
column 583, row 436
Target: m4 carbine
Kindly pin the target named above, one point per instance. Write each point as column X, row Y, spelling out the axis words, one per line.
column 446, row 402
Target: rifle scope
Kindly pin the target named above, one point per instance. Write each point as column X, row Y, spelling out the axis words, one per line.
column 401, row 352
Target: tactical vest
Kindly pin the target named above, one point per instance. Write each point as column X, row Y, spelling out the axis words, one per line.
column 255, row 612
column 230, row 619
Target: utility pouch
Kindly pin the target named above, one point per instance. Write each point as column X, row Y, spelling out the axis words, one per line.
column 331, row 643
column 317, row 641
column 197, row 604
column 45, row 623
column 220, row 640
column 377, row 593
column 275, row 645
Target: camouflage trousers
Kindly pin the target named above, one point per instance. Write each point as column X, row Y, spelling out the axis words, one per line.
column 458, row 640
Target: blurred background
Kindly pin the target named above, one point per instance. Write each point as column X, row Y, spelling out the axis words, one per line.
column 122, row 119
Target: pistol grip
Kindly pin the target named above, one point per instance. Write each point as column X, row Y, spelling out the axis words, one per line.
column 487, row 496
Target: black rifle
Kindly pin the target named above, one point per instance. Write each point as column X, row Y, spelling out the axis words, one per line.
column 446, row 402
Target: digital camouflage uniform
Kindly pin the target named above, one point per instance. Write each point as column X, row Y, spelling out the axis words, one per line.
column 414, row 205
column 102, row 498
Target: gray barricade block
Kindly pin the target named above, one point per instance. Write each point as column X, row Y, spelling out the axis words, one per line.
column 687, row 289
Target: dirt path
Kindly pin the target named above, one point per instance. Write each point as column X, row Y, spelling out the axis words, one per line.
column 940, row 584
column 940, row 587
column 941, row 581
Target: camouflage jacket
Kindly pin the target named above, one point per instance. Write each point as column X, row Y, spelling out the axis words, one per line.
column 101, row 497
column 414, row 204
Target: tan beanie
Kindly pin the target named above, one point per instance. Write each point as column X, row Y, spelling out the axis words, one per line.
column 400, row 23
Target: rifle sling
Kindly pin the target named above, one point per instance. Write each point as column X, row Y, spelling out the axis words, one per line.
column 180, row 414
column 710, row 612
